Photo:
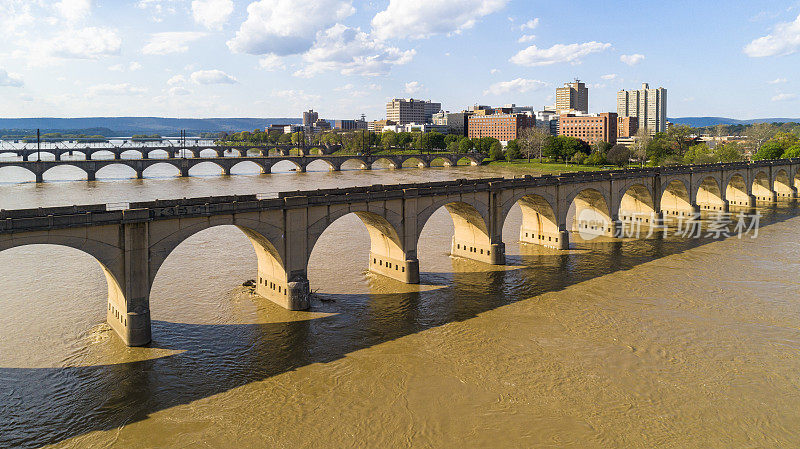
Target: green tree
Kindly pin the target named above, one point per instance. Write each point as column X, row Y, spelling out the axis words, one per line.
column 404, row 139
column 698, row 154
column 678, row 136
column 512, row 151
column 770, row 150
column 760, row 133
column 596, row 158
column 728, row 152
column 450, row 138
column 465, row 145
column 436, row 140
column 389, row 139
column 619, row 155
column 496, row 150
column 791, row 152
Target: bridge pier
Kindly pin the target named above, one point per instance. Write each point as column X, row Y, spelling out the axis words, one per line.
column 558, row 238
column 401, row 270
column 39, row 177
column 492, row 253
column 184, row 172
column 129, row 304
column 91, row 175
column 227, row 171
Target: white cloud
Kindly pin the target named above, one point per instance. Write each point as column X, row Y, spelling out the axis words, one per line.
column 212, row 14
column 158, row 8
column 413, row 87
column 212, row 77
column 82, row 43
column 610, row 76
column 114, row 89
column 777, row 81
column 286, row 27
column 519, row 85
column 73, row 10
column 533, row 56
column 176, row 91
column 271, row 63
column 296, row 96
column 9, row 80
column 15, row 15
column 419, row 19
column 529, row 25
column 170, row 42
column 494, row 71
column 133, row 66
column 632, row 59
column 526, row 38
column 351, row 52
column 784, row 97
column 176, row 80
column 784, row 40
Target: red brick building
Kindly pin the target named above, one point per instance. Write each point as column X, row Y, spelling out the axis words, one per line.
column 589, row 128
column 503, row 127
column 627, row 127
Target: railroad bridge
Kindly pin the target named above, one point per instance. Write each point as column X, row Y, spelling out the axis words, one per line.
column 226, row 164
column 132, row 243
column 145, row 151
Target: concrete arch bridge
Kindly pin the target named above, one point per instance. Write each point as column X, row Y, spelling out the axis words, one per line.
column 226, row 164
column 131, row 244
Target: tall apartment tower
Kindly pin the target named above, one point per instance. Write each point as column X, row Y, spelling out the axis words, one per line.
column 310, row 117
column 572, row 97
column 404, row 111
column 649, row 106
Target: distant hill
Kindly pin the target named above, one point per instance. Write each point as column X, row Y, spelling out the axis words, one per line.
column 120, row 126
column 699, row 122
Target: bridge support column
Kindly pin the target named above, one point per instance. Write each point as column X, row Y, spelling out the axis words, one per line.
column 139, row 174
column 227, row 171
column 39, row 177
column 184, row 172
column 493, row 253
column 558, row 239
column 401, row 270
column 91, row 175
column 301, row 169
column 129, row 303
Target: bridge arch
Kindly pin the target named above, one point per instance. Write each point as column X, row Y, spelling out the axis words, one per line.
column 101, row 154
column 539, row 220
column 444, row 160
column 320, row 164
column 41, row 155
column 414, row 161
column 389, row 253
column 131, row 153
column 384, row 160
column 676, row 199
column 354, row 163
column 272, row 281
column 249, row 167
column 105, row 253
column 161, row 170
column 200, row 167
column 588, row 213
column 67, row 169
column 208, row 152
column 709, row 195
column 16, row 174
column 782, row 184
column 737, row 192
column 102, row 172
column 156, row 153
column 636, row 204
column 472, row 238
column 287, row 165
column 762, row 187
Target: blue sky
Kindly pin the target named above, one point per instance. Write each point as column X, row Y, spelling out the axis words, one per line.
column 275, row 58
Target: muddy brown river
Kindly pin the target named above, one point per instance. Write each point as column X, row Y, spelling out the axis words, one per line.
column 661, row 342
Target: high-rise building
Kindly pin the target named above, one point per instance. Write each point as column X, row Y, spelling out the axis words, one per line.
column 456, row 121
column 402, row 111
column 572, row 97
column 309, row 118
column 649, row 106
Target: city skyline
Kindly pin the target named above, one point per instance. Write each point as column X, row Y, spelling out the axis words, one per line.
column 220, row 58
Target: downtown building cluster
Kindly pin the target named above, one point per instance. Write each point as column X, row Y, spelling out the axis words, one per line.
column 643, row 109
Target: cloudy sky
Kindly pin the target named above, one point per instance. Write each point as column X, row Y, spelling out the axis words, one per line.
column 274, row 58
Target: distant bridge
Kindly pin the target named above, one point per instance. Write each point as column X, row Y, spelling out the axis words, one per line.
column 131, row 244
column 145, row 151
column 226, row 164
